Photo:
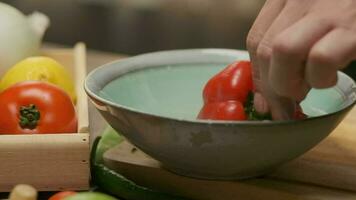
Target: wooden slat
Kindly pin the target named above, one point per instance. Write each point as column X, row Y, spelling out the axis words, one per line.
column 48, row 162
column 80, row 74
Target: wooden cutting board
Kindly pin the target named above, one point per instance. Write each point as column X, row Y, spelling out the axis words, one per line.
column 328, row 171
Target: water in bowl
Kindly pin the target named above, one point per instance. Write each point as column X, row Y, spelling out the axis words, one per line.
column 176, row 91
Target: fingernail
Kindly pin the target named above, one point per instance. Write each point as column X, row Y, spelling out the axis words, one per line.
column 260, row 104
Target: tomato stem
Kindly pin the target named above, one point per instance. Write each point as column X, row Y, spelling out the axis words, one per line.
column 29, row 116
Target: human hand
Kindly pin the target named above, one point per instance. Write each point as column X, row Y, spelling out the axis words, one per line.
column 296, row 45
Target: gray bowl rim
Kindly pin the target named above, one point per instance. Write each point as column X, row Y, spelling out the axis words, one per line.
column 106, row 102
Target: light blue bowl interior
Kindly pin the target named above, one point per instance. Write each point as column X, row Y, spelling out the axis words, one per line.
column 175, row 91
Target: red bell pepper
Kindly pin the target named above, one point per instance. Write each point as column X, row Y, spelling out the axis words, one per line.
column 232, row 83
column 225, row 110
column 226, row 93
column 229, row 95
column 299, row 113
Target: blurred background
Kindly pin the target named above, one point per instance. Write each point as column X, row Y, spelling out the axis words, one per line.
column 138, row 26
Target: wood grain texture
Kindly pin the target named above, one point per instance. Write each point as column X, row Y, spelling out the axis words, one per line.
column 328, row 171
column 51, row 162
column 80, row 74
column 48, row 162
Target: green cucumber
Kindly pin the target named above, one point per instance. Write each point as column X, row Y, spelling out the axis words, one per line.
column 112, row 182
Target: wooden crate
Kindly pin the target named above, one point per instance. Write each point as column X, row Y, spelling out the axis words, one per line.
column 51, row 161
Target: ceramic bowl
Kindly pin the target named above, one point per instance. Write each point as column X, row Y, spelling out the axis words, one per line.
column 153, row 100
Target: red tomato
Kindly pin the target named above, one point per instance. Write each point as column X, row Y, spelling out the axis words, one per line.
column 299, row 113
column 62, row 195
column 227, row 110
column 232, row 83
column 36, row 107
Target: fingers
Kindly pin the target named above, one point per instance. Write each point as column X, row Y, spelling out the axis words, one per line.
column 260, row 103
column 291, row 13
column 280, row 111
column 281, row 107
column 268, row 14
column 265, row 18
column 298, row 44
column 290, row 52
column 334, row 51
column 286, row 18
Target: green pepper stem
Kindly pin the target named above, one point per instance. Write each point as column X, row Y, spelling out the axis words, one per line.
column 29, row 116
